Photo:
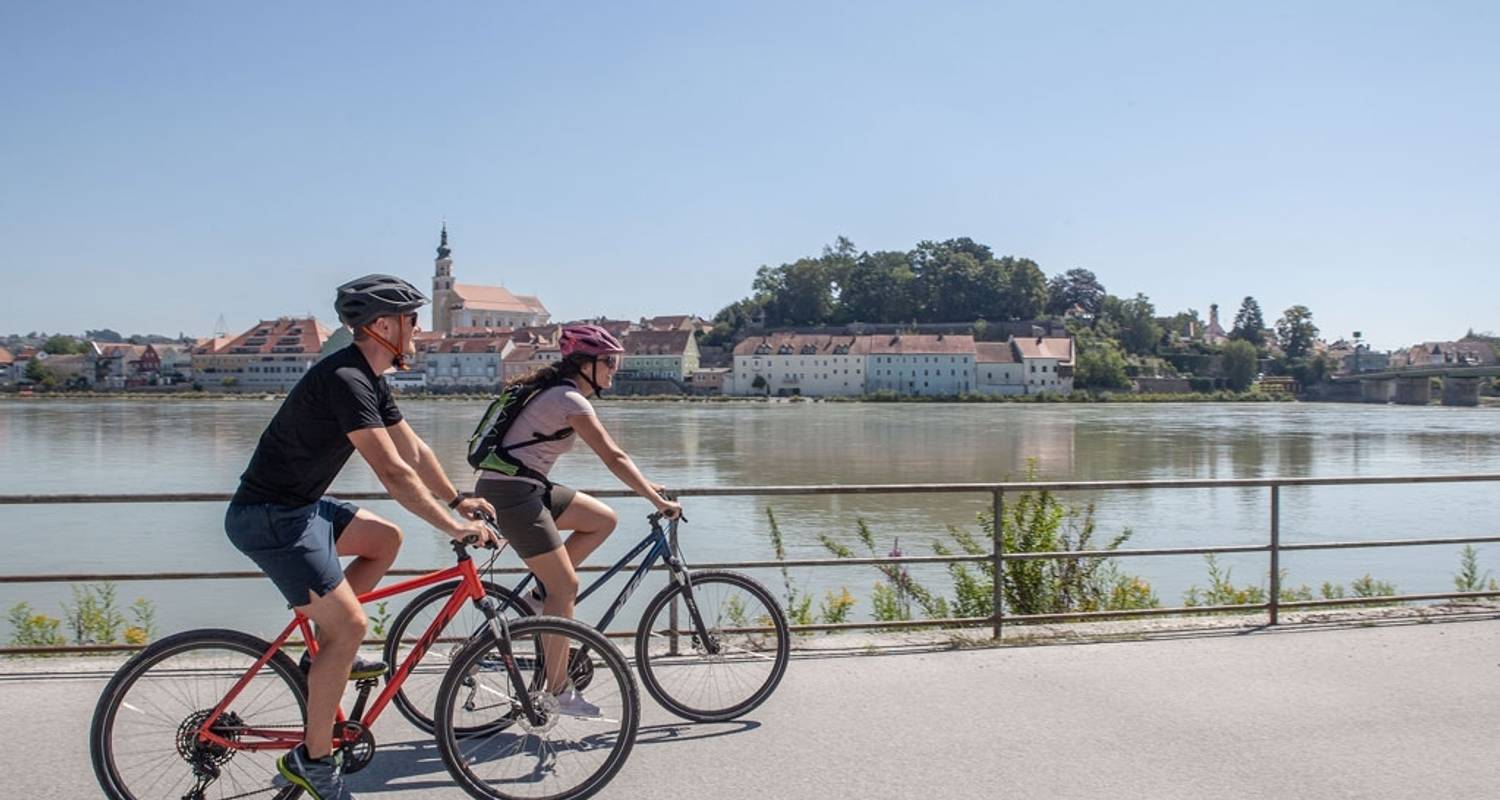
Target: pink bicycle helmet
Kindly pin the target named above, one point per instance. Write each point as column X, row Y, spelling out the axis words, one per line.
column 590, row 340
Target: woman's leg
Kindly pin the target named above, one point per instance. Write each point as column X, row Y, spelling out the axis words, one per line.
column 556, row 573
column 591, row 522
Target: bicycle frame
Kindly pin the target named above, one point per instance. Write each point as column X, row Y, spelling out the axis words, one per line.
column 657, row 546
column 469, row 589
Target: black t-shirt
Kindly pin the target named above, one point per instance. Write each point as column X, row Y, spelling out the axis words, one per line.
column 307, row 442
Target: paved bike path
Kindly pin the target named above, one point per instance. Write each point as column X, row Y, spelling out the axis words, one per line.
column 1391, row 711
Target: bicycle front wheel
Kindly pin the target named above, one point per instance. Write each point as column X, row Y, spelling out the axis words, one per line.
column 144, row 741
column 735, row 669
column 493, row 750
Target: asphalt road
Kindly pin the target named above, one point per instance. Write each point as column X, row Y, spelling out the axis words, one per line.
column 1402, row 711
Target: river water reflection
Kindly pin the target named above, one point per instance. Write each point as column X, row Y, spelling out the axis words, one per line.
column 123, row 446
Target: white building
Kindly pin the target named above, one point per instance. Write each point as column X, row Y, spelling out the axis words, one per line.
column 1047, row 363
column 998, row 369
column 270, row 357
column 465, row 362
column 466, row 305
column 795, row 364
column 921, row 364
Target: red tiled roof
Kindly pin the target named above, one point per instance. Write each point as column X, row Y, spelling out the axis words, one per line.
column 304, row 336
column 492, row 344
column 6, row 357
column 496, row 298
column 994, row 353
column 820, row 345
column 210, row 345
column 1058, row 347
column 922, row 344
column 521, row 352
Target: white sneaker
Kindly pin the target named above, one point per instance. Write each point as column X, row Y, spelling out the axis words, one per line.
column 570, row 702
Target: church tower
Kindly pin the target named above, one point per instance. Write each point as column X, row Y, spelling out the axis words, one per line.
column 442, row 288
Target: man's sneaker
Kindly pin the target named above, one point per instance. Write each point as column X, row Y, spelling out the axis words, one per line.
column 321, row 778
column 571, row 703
column 361, row 669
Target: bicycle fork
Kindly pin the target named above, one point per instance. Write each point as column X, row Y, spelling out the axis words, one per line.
column 500, row 629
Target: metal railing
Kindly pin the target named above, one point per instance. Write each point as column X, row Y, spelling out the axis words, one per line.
column 996, row 559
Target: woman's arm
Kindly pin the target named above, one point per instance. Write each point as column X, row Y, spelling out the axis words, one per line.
column 589, row 429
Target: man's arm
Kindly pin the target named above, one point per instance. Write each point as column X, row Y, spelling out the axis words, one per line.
column 407, row 488
column 419, row 457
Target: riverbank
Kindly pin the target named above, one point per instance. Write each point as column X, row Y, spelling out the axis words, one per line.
column 1042, row 399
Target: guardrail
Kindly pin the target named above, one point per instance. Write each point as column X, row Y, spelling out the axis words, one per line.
column 996, row 559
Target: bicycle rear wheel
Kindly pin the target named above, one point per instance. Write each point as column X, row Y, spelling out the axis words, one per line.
column 747, row 632
column 418, row 693
column 143, row 739
column 494, row 751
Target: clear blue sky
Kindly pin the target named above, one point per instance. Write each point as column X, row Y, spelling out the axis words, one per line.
column 163, row 163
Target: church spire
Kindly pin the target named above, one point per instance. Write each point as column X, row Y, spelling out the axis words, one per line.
column 442, row 250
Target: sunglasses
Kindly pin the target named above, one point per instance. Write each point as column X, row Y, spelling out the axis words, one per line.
column 411, row 318
column 610, row 360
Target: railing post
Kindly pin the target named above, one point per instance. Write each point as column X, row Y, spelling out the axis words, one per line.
column 997, row 560
column 672, row 610
column 1275, row 602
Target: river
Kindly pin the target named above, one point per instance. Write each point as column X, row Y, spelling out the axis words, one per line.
column 185, row 446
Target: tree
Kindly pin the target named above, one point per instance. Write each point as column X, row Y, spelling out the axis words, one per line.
column 881, row 287
column 1075, row 287
column 1241, row 363
column 1135, row 323
column 36, row 372
column 759, row 384
column 1024, row 289
column 1296, row 332
column 1101, row 365
column 62, row 345
column 951, row 280
column 104, row 335
column 1249, row 325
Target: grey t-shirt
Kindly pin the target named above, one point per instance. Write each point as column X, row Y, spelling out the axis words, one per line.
column 547, row 413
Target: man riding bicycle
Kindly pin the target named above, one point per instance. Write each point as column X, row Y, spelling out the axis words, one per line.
column 281, row 519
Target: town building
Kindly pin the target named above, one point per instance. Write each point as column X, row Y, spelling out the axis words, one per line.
column 1213, row 333
column 1047, row 363
column 921, row 364
column 659, row 355
column 998, row 369
column 271, row 356
column 7, row 360
column 528, row 357
column 799, row 364
column 465, row 305
column 474, row 363
column 1462, row 353
column 709, row 380
column 119, row 366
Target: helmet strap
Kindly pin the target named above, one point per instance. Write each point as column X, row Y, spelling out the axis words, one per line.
column 594, row 360
column 399, row 357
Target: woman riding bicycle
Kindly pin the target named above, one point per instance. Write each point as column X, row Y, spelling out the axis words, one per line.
column 529, row 508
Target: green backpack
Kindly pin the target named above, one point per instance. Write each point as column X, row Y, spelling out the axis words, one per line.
column 485, row 451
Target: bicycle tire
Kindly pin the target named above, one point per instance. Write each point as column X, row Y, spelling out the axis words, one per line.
column 418, row 693
column 654, row 664
column 178, row 691
column 615, row 728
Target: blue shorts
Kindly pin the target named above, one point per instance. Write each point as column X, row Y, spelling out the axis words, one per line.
column 293, row 545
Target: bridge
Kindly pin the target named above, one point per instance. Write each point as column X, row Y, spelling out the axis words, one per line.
column 1413, row 386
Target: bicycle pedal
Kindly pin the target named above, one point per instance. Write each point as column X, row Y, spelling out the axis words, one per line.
column 366, row 684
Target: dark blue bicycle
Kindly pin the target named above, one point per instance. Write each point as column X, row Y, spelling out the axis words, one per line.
column 711, row 646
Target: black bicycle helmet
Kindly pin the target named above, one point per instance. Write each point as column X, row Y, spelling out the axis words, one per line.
column 364, row 300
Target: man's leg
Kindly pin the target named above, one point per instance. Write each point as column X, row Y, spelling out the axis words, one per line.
column 341, row 627
column 374, row 541
column 591, row 522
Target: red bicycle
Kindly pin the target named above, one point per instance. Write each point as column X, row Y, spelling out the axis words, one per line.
column 204, row 714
